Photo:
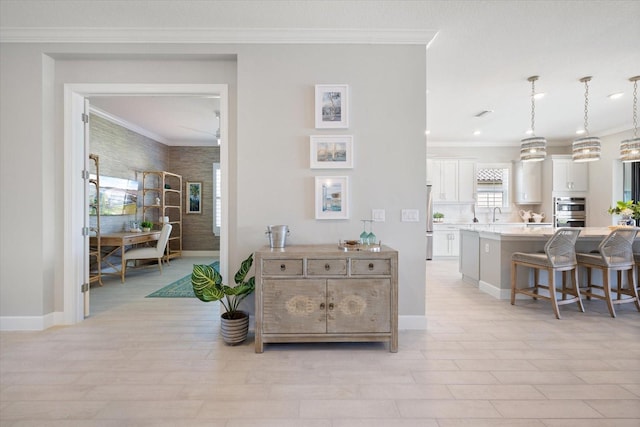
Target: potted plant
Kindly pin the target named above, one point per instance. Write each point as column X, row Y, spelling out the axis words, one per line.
column 146, row 225
column 629, row 210
column 438, row 217
column 207, row 286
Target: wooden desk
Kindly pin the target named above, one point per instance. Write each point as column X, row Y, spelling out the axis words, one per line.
column 115, row 241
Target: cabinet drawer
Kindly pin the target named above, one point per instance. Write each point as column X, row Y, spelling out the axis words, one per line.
column 327, row 267
column 370, row 266
column 282, row 267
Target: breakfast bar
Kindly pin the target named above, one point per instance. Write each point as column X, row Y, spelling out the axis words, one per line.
column 485, row 252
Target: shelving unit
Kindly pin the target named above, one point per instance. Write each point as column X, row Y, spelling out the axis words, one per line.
column 162, row 196
column 95, row 264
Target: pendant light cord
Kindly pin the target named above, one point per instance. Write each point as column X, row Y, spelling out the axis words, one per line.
column 586, row 104
column 533, row 106
column 635, row 108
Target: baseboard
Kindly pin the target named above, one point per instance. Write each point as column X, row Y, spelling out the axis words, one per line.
column 412, row 323
column 31, row 323
column 494, row 291
column 212, row 254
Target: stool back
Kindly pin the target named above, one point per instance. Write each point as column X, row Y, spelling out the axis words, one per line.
column 561, row 247
column 617, row 248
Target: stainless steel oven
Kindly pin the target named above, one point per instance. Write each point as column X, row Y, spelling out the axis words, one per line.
column 569, row 211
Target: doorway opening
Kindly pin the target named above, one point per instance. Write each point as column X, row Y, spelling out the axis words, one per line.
column 76, row 154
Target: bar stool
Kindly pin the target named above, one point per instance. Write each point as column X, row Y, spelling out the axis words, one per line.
column 615, row 253
column 636, row 258
column 559, row 255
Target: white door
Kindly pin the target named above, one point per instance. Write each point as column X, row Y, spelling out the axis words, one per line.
column 85, row 287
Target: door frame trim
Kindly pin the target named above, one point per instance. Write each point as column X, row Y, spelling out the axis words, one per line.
column 74, row 163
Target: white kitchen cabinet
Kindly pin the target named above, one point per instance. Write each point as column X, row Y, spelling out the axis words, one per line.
column 446, row 241
column 452, row 180
column 569, row 175
column 527, row 182
column 467, row 181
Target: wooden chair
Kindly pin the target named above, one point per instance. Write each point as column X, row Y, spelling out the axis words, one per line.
column 559, row 255
column 615, row 253
column 156, row 252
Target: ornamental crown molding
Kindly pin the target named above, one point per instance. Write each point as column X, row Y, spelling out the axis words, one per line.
column 216, row 35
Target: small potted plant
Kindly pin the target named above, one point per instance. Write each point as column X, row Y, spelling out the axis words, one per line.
column 629, row 210
column 146, row 225
column 438, row 217
column 207, row 286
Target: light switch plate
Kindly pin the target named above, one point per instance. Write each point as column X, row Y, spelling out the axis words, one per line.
column 410, row 215
column 377, row 215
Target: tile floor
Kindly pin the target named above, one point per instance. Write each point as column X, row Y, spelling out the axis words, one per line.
column 482, row 362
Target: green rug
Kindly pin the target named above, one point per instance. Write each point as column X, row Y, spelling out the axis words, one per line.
column 180, row 288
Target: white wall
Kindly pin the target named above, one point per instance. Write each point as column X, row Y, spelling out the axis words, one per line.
column 270, row 178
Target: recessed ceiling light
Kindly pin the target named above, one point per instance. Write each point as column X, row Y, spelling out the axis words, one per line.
column 529, row 132
column 579, row 131
column 427, row 132
column 616, row 95
column 478, row 132
column 539, row 95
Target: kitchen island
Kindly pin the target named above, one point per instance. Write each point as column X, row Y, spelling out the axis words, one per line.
column 485, row 253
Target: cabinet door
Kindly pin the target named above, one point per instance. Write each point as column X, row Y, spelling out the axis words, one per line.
column 294, row 306
column 454, row 243
column 467, row 181
column 445, row 180
column 358, row 305
column 570, row 176
column 440, row 243
column 528, row 182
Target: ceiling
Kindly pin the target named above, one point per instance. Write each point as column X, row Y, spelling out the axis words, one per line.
column 480, row 59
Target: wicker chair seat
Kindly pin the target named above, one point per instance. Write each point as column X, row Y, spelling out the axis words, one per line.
column 615, row 253
column 559, row 256
column 612, row 261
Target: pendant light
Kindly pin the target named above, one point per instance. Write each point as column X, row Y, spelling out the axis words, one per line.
column 586, row 149
column 533, row 149
column 630, row 148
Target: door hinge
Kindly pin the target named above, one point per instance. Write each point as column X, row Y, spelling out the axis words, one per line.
column 85, row 174
column 84, row 287
column 85, row 118
column 85, row 231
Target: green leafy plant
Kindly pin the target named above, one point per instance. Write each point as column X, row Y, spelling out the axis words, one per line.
column 438, row 215
column 207, row 286
column 146, row 224
column 626, row 208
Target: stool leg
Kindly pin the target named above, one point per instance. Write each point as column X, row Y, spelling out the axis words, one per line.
column 606, row 285
column 588, row 293
column 536, row 280
column 564, row 285
column 576, row 287
column 552, row 292
column 633, row 280
column 513, row 282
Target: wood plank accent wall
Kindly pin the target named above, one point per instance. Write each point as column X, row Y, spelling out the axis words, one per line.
column 196, row 164
column 125, row 154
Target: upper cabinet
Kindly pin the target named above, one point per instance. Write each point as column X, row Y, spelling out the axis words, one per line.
column 569, row 175
column 527, row 182
column 452, row 180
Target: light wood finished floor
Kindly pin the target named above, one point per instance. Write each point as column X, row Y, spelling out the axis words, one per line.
column 482, row 362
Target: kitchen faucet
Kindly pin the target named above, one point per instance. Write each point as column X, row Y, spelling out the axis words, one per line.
column 494, row 213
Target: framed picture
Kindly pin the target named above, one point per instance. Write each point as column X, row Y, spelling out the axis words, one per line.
column 332, row 197
column 194, row 198
column 331, row 152
column 332, row 106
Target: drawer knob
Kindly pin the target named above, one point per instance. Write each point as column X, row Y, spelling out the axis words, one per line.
column 327, row 267
column 283, row 267
column 370, row 266
column 322, row 306
column 330, row 306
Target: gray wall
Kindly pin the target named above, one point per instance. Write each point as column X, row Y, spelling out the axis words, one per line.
column 270, row 120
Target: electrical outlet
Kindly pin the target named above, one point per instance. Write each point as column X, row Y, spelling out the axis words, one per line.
column 410, row 215
column 377, row 215
column 486, row 247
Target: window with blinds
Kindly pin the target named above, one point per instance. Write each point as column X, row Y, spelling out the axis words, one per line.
column 492, row 187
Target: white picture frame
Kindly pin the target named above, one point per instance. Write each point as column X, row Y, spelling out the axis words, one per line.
column 332, row 197
column 332, row 106
column 331, row 152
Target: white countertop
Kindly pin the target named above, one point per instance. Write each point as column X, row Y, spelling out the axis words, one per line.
column 523, row 231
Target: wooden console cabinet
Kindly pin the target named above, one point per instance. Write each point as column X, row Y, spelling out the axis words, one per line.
column 319, row 293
